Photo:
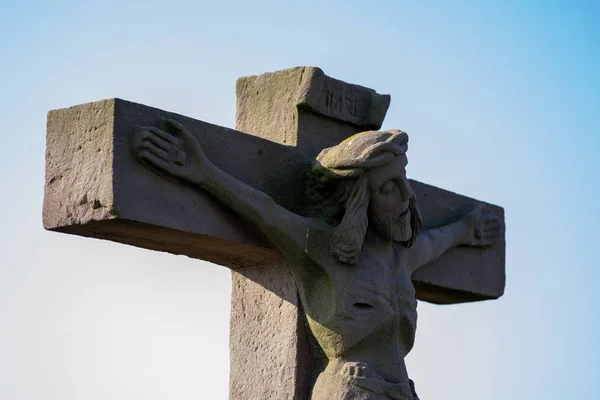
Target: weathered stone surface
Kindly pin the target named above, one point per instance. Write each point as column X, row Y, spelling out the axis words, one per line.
column 304, row 109
column 289, row 107
column 268, row 347
column 95, row 188
column 341, row 101
column 271, row 106
column 352, row 261
column 462, row 274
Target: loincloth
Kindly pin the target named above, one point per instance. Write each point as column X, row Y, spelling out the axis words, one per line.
column 358, row 381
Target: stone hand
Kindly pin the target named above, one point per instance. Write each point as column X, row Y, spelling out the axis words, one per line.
column 481, row 228
column 176, row 152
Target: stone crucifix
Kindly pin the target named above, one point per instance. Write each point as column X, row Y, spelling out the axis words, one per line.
column 307, row 203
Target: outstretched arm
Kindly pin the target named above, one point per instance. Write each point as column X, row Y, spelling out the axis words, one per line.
column 179, row 154
column 477, row 228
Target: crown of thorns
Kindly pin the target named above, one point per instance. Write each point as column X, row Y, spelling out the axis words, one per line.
column 360, row 153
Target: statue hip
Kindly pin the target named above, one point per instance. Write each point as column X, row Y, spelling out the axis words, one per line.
column 358, row 381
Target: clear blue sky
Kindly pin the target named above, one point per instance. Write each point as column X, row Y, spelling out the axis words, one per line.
column 502, row 102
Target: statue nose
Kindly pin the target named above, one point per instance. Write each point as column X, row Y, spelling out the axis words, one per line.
column 405, row 190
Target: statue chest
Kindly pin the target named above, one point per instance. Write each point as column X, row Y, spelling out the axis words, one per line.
column 372, row 298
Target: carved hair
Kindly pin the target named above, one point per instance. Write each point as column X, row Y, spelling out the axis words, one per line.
column 340, row 185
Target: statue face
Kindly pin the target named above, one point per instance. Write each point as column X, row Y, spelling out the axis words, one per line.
column 390, row 193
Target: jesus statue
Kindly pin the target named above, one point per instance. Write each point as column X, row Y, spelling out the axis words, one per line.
column 352, row 253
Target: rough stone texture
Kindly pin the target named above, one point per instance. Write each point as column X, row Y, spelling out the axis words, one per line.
column 95, row 188
column 304, row 109
column 462, row 274
column 79, row 165
column 341, row 101
column 267, row 347
column 273, row 106
column 353, row 281
column 282, row 107
column 293, row 107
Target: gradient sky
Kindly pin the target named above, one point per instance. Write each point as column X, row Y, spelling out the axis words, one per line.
column 502, row 102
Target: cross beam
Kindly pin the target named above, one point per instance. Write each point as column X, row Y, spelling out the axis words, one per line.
column 95, row 188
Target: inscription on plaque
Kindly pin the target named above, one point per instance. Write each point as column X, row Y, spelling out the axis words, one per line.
column 339, row 103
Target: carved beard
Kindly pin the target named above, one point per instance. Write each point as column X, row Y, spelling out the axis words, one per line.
column 398, row 230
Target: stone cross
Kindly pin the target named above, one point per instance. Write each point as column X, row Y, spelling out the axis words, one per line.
column 95, row 188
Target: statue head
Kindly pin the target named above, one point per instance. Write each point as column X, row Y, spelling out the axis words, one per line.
column 362, row 181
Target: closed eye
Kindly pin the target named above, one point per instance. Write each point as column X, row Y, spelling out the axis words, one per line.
column 387, row 187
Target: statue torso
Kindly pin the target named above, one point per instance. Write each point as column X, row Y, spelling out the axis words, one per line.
column 365, row 312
